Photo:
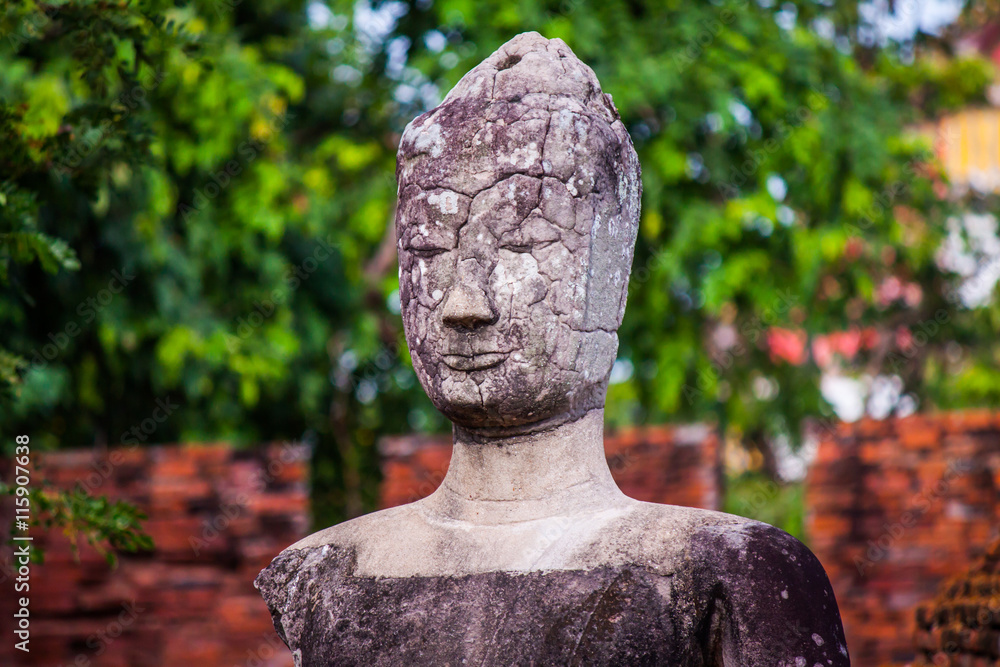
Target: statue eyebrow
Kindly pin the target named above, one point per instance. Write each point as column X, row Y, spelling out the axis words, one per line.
column 447, row 239
column 442, row 207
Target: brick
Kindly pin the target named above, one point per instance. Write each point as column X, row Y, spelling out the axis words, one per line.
column 170, row 464
column 206, row 454
column 904, row 468
column 920, row 438
column 191, row 603
column 245, row 614
column 868, row 427
column 967, row 421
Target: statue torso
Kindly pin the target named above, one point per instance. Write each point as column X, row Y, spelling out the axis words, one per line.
column 605, row 616
column 690, row 588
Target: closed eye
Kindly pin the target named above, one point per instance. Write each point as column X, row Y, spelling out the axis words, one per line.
column 526, row 247
column 427, row 252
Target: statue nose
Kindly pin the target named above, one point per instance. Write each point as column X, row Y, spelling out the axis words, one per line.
column 467, row 307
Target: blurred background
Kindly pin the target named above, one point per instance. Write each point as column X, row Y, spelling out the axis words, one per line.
column 196, row 250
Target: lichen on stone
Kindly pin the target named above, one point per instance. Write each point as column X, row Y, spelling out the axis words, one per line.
column 516, row 194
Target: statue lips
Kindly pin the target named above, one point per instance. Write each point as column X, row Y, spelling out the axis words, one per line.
column 474, row 362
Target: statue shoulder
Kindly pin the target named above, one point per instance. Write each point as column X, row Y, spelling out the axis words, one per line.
column 317, row 562
column 727, row 544
column 774, row 602
column 665, row 536
column 293, row 578
column 765, row 597
column 753, row 556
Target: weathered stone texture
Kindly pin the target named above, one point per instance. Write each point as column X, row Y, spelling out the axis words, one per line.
column 746, row 595
column 521, row 189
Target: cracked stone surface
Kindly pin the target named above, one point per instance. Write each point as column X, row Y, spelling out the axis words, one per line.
column 516, row 194
column 518, row 211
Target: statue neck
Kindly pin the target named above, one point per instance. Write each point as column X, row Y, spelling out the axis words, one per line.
column 557, row 471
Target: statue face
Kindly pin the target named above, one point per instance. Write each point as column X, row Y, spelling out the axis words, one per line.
column 518, row 207
column 494, row 296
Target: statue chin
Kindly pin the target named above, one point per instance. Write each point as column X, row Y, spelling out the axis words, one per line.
column 461, row 404
column 500, row 412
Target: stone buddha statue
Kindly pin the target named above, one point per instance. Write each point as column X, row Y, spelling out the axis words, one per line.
column 518, row 211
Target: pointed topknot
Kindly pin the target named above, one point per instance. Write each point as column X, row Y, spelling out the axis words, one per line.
column 532, row 108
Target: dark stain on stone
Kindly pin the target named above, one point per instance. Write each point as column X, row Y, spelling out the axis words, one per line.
column 509, row 62
column 751, row 598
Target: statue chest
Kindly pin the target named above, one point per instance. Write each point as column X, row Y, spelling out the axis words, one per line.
column 604, row 616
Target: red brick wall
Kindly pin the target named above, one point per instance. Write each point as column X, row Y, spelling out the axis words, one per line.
column 677, row 465
column 893, row 509
column 217, row 516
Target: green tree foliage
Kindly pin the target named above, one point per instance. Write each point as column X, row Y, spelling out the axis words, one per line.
column 107, row 526
column 223, row 172
column 757, row 496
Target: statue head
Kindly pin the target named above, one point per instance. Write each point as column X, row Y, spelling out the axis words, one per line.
column 517, row 217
